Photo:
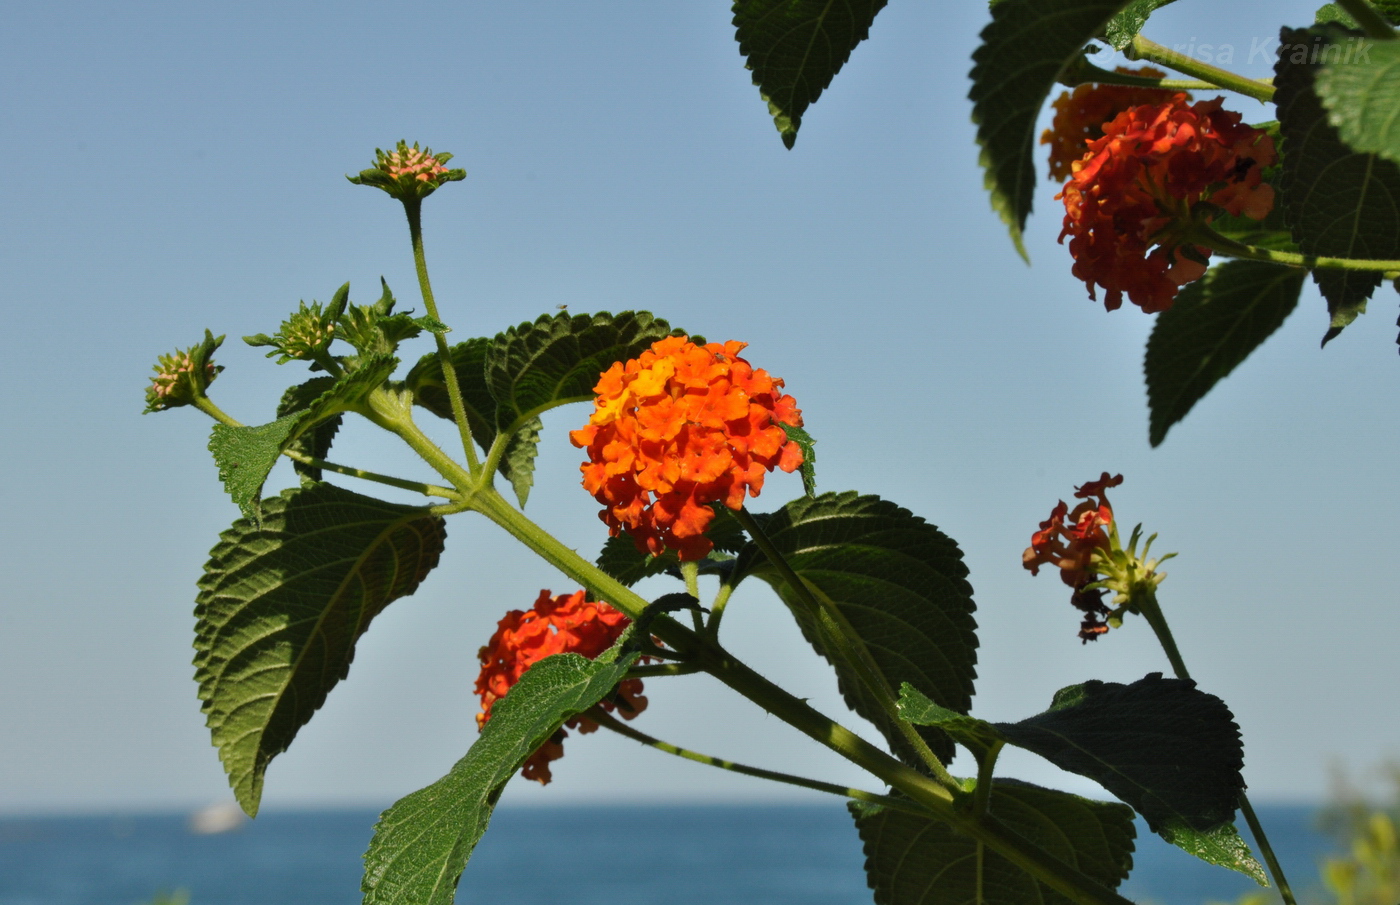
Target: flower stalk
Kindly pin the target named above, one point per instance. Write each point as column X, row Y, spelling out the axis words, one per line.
column 1145, row 49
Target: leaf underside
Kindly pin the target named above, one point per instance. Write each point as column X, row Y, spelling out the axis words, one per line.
column 1213, row 326
column 912, row 860
column 422, row 843
column 281, row 606
column 796, row 47
column 899, row 583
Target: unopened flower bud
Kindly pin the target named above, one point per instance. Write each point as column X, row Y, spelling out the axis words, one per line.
column 409, row 174
column 183, row 376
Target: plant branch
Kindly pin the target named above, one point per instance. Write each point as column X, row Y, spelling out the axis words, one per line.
column 1202, row 234
column 404, row 483
column 1144, row 49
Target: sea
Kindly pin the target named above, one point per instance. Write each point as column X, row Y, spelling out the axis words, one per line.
column 656, row 855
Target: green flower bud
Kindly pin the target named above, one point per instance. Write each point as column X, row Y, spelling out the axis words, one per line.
column 183, row 377
column 408, row 174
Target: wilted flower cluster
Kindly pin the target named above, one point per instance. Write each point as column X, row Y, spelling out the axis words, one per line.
column 408, row 173
column 1157, row 169
column 1080, row 116
column 568, row 623
column 1068, row 540
column 676, row 429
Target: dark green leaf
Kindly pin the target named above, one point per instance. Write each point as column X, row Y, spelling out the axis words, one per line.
column 1362, row 96
column 1331, row 12
column 621, row 559
column 431, row 324
column 281, row 606
column 805, row 443
column 1024, row 51
column 911, row 860
column 901, row 585
column 423, row 842
column 1339, row 202
column 1119, row 32
column 315, row 441
column 796, row 47
column 1214, row 324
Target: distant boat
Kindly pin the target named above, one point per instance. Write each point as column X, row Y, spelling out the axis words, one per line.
column 224, row 817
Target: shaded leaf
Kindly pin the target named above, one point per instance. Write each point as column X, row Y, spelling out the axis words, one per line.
column 1121, row 30
column 911, row 860
column 1362, row 97
column 1214, row 324
column 1331, row 12
column 281, row 606
column 796, row 47
column 901, row 585
column 1024, row 51
column 1338, row 201
column 424, row 841
column 316, row 441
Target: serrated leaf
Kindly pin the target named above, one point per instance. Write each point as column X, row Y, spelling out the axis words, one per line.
column 316, row 440
column 1338, row 201
column 1362, row 97
column 1331, row 12
column 1214, row 324
column 431, row 324
column 1222, row 846
column 281, row 606
column 805, row 443
column 796, row 47
column 1024, row 51
column 911, row 860
column 901, row 585
column 246, row 454
column 424, row 841
column 1121, row 30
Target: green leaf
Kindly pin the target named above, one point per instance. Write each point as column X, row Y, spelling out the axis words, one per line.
column 911, row 860
column 1024, row 51
column 796, row 47
column 805, row 443
column 316, row 440
column 281, row 606
column 901, row 585
column 1214, row 324
column 1338, row 201
column 621, row 559
column 1121, row 30
column 1331, row 12
column 430, row 324
column 1362, row 97
column 423, row 842
column 245, row 454
column 1161, row 745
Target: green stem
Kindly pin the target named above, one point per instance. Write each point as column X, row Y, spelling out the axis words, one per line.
column 939, row 800
column 404, row 483
column 607, row 721
column 207, row 406
column 662, row 669
column 1083, row 72
column 986, row 764
column 394, row 414
column 842, row 641
column 690, row 572
column 1144, row 49
column 414, row 209
column 1370, row 20
column 1145, row 602
column 717, row 607
column 1203, row 235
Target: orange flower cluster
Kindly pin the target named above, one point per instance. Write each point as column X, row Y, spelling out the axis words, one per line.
column 1139, row 186
column 676, row 429
column 420, row 165
column 1080, row 116
column 555, row 625
column 1068, row 540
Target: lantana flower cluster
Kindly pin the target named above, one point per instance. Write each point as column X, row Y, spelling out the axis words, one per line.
column 409, row 174
column 1069, row 540
column 1158, row 170
column 568, row 623
column 676, row 429
column 183, row 376
column 1080, row 116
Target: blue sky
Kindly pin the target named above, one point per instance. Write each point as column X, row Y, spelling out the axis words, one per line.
column 173, row 167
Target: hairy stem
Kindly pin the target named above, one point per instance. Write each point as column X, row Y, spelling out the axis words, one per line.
column 1144, row 49
column 1204, row 235
column 414, row 210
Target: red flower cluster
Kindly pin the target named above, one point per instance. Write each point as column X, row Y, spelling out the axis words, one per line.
column 1137, row 187
column 676, row 429
column 556, row 625
column 1068, row 540
column 1080, row 116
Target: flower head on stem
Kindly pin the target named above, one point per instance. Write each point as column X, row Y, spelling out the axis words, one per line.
column 409, row 174
column 1085, row 545
column 183, row 376
column 678, row 428
column 1081, row 114
column 568, row 623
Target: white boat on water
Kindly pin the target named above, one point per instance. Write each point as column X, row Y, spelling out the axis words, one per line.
column 224, row 817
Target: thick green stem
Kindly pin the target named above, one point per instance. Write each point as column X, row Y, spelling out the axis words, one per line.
column 1143, row 49
column 1145, row 602
column 842, row 641
column 1369, row 18
column 1084, row 72
column 607, row 721
column 414, row 210
column 1203, row 235
column 717, row 607
column 394, row 414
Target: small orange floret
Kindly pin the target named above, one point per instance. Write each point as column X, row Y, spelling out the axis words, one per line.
column 1068, row 540
column 678, row 428
column 1080, row 116
column 1140, row 184
column 568, row 623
